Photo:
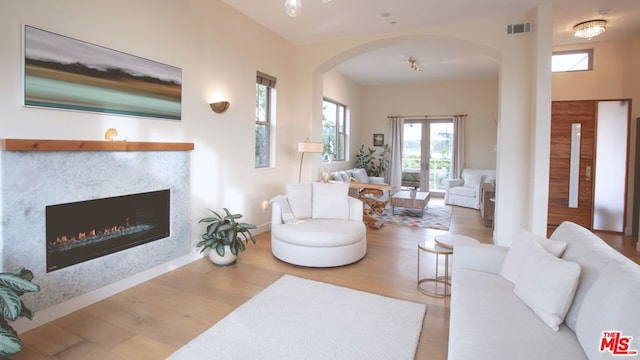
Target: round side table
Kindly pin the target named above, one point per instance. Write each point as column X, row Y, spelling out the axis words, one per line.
column 450, row 240
column 430, row 246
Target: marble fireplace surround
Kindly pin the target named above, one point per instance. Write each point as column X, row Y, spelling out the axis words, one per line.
column 37, row 173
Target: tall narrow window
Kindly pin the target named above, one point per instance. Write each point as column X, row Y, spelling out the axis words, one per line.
column 265, row 110
column 334, row 131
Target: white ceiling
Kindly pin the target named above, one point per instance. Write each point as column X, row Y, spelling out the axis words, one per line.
column 438, row 60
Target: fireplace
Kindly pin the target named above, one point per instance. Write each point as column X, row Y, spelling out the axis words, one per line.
column 85, row 230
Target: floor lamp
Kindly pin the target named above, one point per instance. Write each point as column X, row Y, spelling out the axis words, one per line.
column 307, row 147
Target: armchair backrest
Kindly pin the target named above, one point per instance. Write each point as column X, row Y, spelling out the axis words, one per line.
column 483, row 175
column 318, row 201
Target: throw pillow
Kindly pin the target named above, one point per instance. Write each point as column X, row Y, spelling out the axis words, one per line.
column 299, row 196
column 471, row 179
column 330, row 201
column 285, row 210
column 521, row 247
column 547, row 285
column 344, row 176
column 360, row 175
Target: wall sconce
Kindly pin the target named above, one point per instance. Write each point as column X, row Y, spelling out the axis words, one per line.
column 307, row 147
column 220, row 106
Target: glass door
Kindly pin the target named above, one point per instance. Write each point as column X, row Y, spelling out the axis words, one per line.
column 440, row 152
column 426, row 155
column 412, row 155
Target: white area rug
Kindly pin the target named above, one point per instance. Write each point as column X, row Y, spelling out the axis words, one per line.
column 295, row 318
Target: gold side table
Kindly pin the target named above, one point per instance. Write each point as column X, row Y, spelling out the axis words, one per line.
column 441, row 283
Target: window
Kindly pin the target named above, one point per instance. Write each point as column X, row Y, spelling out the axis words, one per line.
column 265, row 110
column 573, row 60
column 334, row 130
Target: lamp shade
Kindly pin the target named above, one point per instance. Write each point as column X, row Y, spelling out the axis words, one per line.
column 310, row 147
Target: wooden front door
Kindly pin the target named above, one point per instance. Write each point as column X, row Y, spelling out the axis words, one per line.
column 563, row 115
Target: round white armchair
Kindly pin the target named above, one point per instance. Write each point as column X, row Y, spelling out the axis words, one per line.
column 318, row 225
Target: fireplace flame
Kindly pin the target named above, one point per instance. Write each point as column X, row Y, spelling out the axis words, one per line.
column 65, row 239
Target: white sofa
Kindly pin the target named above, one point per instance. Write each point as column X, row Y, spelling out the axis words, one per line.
column 465, row 191
column 318, row 225
column 492, row 318
column 360, row 175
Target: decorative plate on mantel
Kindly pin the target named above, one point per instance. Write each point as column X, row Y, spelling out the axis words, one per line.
column 111, row 134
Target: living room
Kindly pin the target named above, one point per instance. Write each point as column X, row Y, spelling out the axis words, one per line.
column 219, row 51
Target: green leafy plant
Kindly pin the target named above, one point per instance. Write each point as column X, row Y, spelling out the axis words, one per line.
column 13, row 285
column 225, row 230
column 373, row 165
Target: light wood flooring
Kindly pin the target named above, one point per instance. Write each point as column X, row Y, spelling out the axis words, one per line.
column 152, row 320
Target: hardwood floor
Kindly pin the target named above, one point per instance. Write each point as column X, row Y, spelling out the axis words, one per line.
column 152, row 320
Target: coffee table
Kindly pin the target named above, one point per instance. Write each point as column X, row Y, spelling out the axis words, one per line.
column 404, row 199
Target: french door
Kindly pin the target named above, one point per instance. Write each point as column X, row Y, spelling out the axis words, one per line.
column 427, row 153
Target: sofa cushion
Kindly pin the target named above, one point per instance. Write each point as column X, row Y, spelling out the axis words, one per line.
column 299, row 196
column 463, row 191
column 488, row 321
column 611, row 304
column 519, row 249
column 321, row 232
column 591, row 253
column 360, row 175
column 330, row 201
column 547, row 285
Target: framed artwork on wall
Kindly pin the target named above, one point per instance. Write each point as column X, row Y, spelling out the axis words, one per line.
column 378, row 139
column 65, row 73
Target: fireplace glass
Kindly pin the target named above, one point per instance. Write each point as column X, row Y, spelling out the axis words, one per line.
column 86, row 230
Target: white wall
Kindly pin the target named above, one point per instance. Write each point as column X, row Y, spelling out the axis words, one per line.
column 538, row 176
column 476, row 98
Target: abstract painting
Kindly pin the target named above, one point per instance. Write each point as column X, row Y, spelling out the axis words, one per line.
column 65, row 73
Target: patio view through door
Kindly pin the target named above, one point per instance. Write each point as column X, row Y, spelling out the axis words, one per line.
column 426, row 154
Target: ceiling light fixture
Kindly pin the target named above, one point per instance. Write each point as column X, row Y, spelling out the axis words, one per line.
column 293, row 8
column 413, row 64
column 589, row 29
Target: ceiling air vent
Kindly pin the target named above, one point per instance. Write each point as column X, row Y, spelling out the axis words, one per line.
column 518, row 28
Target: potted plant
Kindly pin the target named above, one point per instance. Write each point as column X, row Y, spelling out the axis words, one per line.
column 225, row 237
column 374, row 166
column 13, row 285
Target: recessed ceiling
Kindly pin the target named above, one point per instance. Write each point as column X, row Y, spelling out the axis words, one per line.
column 438, row 60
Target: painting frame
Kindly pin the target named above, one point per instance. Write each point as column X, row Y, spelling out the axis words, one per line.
column 378, row 139
column 64, row 73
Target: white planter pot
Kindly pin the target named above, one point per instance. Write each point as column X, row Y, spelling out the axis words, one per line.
column 226, row 260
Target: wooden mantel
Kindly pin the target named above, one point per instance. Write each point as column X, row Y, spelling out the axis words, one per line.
column 90, row 145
